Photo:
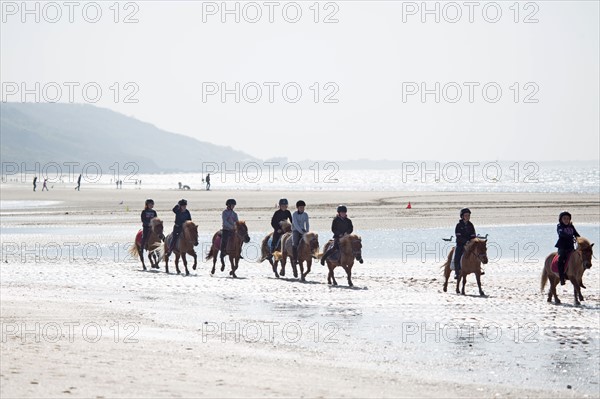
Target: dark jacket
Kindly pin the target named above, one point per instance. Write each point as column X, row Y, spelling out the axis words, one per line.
column 278, row 216
column 147, row 216
column 340, row 226
column 181, row 217
column 566, row 236
column 464, row 232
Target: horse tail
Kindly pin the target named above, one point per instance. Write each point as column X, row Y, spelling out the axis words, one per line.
column 277, row 255
column 134, row 250
column 448, row 260
column 264, row 248
column 544, row 279
column 212, row 252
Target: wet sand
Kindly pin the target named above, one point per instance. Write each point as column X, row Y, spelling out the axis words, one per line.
column 106, row 329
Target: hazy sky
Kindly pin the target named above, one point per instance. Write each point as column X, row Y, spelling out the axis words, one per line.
column 375, row 61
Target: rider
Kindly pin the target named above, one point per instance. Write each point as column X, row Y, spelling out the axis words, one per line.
column 281, row 214
column 229, row 219
column 465, row 231
column 340, row 226
column 181, row 216
column 147, row 215
column 566, row 237
column 299, row 227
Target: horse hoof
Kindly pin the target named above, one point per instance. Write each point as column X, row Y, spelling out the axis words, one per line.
column 282, row 273
column 194, row 267
column 481, row 293
column 295, row 275
column 558, row 302
column 222, row 268
column 445, row 289
column 577, row 303
column 350, row 285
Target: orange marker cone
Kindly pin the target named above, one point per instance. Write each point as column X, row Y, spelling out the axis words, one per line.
column 408, row 206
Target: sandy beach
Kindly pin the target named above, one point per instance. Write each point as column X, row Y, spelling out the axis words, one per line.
column 86, row 326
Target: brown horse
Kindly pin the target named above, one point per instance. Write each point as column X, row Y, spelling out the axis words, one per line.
column 188, row 239
column 152, row 244
column 266, row 249
column 475, row 254
column 308, row 248
column 234, row 247
column 350, row 249
column 579, row 261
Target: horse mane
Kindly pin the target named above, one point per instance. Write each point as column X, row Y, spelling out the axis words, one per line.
column 155, row 221
column 309, row 236
column 349, row 238
column 472, row 244
column 285, row 225
column 582, row 241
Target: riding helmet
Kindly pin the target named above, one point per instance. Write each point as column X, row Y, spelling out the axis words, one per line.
column 283, row 201
column 563, row 213
column 300, row 203
column 230, row 201
column 463, row 211
column 149, row 201
column 182, row 202
column 342, row 208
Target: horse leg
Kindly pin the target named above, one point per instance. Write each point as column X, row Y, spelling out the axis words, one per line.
column 446, row 276
column 464, row 281
column 553, row 285
column 183, row 257
column 294, row 268
column 301, row 270
column 282, row 271
column 274, row 265
column 167, row 264
column 141, row 252
column 214, row 264
column 308, row 266
column 177, row 255
column 458, row 283
column 193, row 253
column 223, row 263
column 332, row 275
column 232, row 262
column 575, row 291
column 349, row 273
column 478, row 278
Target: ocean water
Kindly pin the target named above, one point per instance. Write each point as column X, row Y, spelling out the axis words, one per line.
column 523, row 176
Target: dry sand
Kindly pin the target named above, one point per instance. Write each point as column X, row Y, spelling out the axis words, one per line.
column 106, row 329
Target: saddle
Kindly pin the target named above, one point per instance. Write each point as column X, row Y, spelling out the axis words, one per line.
column 335, row 255
column 554, row 265
column 270, row 242
column 138, row 238
column 452, row 265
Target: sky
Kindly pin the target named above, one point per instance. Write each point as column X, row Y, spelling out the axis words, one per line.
column 324, row 80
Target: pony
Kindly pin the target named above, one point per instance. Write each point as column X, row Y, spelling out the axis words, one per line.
column 579, row 261
column 350, row 249
column 188, row 239
column 265, row 249
column 475, row 254
column 308, row 248
column 152, row 244
column 234, row 247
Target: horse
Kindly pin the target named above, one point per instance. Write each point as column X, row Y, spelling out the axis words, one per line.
column 188, row 239
column 475, row 254
column 152, row 244
column 308, row 248
column 350, row 249
column 234, row 247
column 266, row 249
column 579, row 261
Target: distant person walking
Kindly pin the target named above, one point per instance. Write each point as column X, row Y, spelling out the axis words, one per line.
column 34, row 183
column 45, row 187
column 117, row 182
column 208, row 182
column 78, row 182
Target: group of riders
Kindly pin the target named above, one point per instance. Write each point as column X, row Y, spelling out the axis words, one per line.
column 341, row 226
column 567, row 234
